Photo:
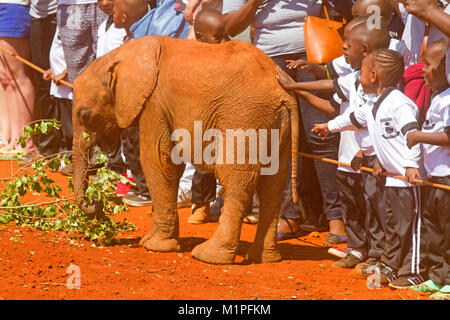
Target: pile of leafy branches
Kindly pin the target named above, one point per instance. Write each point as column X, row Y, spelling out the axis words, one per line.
column 61, row 213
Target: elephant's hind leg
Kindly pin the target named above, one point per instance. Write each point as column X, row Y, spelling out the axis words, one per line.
column 264, row 248
column 239, row 186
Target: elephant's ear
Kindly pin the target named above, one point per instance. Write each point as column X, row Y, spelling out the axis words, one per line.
column 134, row 78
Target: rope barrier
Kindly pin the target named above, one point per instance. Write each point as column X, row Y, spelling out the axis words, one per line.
column 33, row 66
column 305, row 155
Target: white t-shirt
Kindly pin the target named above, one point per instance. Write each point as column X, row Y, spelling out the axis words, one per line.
column 58, row 65
column 437, row 158
column 350, row 91
column 388, row 118
column 109, row 39
column 348, row 145
column 279, row 23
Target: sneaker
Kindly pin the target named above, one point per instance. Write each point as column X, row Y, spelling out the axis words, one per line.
column 216, row 209
column 135, row 200
column 251, row 218
column 339, row 252
column 364, row 269
column 68, row 170
column 200, row 213
column 427, row 287
column 349, row 261
column 443, row 294
column 405, row 282
column 387, row 274
column 184, row 199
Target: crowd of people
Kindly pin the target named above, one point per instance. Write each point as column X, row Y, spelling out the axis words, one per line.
column 384, row 104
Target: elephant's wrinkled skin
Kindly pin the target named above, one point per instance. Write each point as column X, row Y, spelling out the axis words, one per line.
column 163, row 84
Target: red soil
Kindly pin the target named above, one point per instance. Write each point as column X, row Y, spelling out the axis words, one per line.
column 130, row 272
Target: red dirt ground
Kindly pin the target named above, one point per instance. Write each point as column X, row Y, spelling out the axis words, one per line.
column 130, row 272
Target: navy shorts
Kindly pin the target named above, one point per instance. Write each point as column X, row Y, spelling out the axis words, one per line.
column 15, row 20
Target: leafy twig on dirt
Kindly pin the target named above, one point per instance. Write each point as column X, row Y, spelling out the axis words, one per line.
column 61, row 214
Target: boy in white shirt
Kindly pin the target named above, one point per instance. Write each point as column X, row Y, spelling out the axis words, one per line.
column 389, row 117
column 435, row 139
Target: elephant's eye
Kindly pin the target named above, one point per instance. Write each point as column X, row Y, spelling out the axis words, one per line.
column 85, row 115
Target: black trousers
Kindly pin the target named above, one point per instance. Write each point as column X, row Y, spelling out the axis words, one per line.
column 436, row 232
column 203, row 187
column 41, row 37
column 402, row 249
column 375, row 197
column 63, row 113
column 132, row 156
column 350, row 186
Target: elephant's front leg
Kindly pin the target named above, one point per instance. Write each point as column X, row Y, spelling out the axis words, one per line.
column 239, row 186
column 162, row 177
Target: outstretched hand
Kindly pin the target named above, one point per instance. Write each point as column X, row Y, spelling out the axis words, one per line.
column 294, row 64
column 321, row 130
column 284, row 79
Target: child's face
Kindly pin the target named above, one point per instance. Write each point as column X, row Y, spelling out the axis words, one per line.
column 368, row 77
column 106, row 6
column 434, row 70
column 353, row 50
column 213, row 33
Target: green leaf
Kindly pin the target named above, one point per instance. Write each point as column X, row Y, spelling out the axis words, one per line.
column 86, row 136
column 44, row 127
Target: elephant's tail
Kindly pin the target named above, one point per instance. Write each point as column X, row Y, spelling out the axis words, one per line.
column 291, row 104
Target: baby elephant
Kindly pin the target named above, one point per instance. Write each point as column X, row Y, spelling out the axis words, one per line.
column 199, row 103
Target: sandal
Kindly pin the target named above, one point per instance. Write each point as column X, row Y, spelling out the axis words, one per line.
column 334, row 239
column 290, row 235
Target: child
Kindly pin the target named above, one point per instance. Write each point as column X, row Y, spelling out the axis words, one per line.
column 359, row 42
column 389, row 117
column 61, row 94
column 435, row 139
column 209, row 26
column 109, row 37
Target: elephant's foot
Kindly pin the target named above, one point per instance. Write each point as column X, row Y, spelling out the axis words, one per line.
column 211, row 252
column 154, row 243
column 258, row 255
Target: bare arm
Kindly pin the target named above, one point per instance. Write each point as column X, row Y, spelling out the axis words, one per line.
column 437, row 138
column 237, row 21
column 318, row 103
column 316, row 86
column 428, row 10
column 317, row 70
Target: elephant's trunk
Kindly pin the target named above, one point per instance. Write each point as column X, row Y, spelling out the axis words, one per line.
column 80, row 156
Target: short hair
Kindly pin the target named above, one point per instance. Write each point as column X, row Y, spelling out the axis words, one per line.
column 441, row 45
column 390, row 63
column 375, row 38
column 203, row 17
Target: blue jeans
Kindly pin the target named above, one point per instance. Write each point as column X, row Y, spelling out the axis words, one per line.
column 317, row 186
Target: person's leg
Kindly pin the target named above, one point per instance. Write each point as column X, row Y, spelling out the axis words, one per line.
column 326, row 172
column 203, row 192
column 65, row 117
column 17, row 82
column 42, row 32
column 375, row 197
column 5, row 125
column 436, row 226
